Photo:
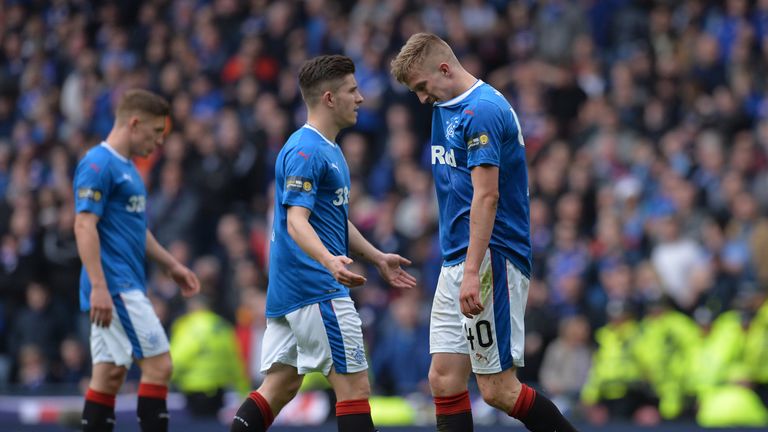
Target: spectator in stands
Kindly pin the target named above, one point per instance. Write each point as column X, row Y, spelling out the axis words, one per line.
column 566, row 363
column 207, row 358
column 42, row 322
column 658, row 107
column 400, row 360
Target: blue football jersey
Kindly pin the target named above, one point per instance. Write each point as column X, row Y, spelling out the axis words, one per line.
column 109, row 186
column 479, row 127
column 310, row 172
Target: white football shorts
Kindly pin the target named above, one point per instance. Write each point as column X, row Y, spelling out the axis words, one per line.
column 135, row 332
column 495, row 338
column 316, row 337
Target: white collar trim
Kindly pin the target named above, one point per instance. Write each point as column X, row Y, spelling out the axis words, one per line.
column 460, row 97
column 312, row 128
column 113, row 151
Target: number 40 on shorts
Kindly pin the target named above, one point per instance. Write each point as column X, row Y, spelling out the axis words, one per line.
column 482, row 329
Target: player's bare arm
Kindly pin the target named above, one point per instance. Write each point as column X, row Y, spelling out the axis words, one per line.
column 485, row 182
column 89, row 248
column 183, row 276
column 306, row 237
column 389, row 265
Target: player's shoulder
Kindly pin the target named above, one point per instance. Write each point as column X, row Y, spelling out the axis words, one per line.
column 305, row 143
column 98, row 158
column 489, row 99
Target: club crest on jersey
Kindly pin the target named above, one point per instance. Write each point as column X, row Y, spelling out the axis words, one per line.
column 452, row 124
column 298, row 184
column 89, row 194
column 477, row 141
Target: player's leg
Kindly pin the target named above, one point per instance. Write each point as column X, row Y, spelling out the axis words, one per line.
column 111, row 356
column 332, row 342
column 450, row 367
column 151, row 407
column 99, row 408
column 353, row 411
column 150, row 347
column 281, row 379
column 496, row 341
column 448, row 375
column 256, row 413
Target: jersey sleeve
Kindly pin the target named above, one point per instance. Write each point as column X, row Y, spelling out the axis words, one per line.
column 302, row 175
column 485, row 132
column 92, row 185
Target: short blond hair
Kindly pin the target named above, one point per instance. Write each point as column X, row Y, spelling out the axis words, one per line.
column 142, row 101
column 417, row 49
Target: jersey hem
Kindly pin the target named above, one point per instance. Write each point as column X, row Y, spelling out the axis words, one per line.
column 456, row 260
column 286, row 311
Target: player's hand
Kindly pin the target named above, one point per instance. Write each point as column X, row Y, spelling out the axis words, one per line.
column 390, row 268
column 337, row 265
column 186, row 279
column 469, row 295
column 101, row 305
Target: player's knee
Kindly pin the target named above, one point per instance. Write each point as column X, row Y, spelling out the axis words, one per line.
column 361, row 390
column 158, row 370
column 279, row 394
column 115, row 377
column 164, row 370
column 499, row 393
column 444, row 381
column 493, row 397
column 292, row 389
column 354, row 388
column 436, row 377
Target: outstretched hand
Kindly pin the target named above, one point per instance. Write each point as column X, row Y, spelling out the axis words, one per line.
column 186, row 279
column 390, row 268
column 337, row 265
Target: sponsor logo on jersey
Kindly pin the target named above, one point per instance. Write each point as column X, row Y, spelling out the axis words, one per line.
column 89, row 194
column 477, row 141
column 298, row 184
column 442, row 157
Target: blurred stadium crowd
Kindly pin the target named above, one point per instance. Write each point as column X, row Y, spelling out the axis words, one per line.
column 646, row 127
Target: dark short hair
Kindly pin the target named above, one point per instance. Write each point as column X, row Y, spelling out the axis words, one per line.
column 144, row 102
column 323, row 73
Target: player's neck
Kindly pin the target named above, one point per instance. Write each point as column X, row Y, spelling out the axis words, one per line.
column 119, row 143
column 464, row 81
column 326, row 127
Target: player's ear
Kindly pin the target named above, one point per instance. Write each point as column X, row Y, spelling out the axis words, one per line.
column 327, row 98
column 444, row 69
